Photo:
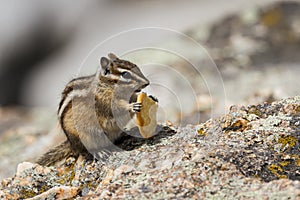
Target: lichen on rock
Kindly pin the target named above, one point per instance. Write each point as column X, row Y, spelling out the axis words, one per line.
column 228, row 157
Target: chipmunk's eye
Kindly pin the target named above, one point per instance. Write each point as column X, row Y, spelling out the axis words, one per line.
column 126, row 75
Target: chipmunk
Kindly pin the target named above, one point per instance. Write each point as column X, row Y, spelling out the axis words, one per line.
column 94, row 110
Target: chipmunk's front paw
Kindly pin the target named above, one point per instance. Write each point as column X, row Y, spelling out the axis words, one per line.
column 136, row 107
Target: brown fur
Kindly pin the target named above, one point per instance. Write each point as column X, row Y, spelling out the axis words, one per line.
column 88, row 108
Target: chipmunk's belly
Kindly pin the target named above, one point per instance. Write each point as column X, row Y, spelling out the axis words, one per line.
column 97, row 139
column 112, row 129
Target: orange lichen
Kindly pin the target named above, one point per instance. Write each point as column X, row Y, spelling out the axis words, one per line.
column 287, row 140
column 272, row 17
column 276, row 170
column 284, row 163
column 239, row 124
column 255, row 111
column 298, row 162
column 201, row 132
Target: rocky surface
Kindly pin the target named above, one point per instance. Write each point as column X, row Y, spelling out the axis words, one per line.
column 251, row 152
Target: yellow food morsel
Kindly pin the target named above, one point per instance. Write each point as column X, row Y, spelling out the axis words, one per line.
column 146, row 118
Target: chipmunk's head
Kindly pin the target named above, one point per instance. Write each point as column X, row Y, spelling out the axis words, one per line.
column 121, row 73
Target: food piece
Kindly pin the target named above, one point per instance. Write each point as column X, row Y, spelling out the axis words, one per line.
column 146, row 118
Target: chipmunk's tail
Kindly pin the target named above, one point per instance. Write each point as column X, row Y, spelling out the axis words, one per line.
column 56, row 154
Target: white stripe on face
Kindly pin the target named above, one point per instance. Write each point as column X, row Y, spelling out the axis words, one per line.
column 134, row 75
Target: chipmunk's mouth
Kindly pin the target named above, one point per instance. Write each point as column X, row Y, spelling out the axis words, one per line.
column 140, row 88
column 136, row 93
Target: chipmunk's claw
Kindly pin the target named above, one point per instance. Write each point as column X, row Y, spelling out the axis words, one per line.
column 136, row 107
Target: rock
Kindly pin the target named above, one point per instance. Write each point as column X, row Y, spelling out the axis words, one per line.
column 63, row 192
column 251, row 152
column 22, row 167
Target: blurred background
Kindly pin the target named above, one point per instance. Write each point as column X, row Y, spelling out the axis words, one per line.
column 250, row 55
column 43, row 43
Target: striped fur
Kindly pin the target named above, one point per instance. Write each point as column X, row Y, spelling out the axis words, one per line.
column 80, row 87
column 86, row 108
column 117, row 67
column 76, row 87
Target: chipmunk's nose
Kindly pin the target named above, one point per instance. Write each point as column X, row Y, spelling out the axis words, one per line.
column 147, row 83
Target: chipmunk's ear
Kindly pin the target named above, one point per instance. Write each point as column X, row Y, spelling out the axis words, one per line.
column 112, row 56
column 104, row 67
column 104, row 62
